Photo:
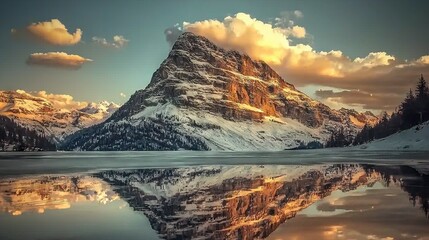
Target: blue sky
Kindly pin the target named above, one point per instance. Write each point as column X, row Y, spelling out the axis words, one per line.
column 356, row 28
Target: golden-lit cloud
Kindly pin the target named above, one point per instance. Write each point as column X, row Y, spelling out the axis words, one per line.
column 375, row 59
column 52, row 32
column 273, row 45
column 57, row 59
column 377, row 73
column 423, row 60
column 118, row 41
column 298, row 32
column 246, row 34
column 60, row 101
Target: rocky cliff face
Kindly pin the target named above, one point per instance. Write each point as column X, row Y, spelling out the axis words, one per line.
column 223, row 99
column 41, row 114
column 230, row 202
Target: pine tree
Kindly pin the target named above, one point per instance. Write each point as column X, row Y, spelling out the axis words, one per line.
column 422, row 90
column 408, row 111
column 338, row 139
column 422, row 99
column 2, row 134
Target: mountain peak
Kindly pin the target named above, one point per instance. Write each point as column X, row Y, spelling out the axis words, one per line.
column 186, row 36
column 205, row 97
column 200, row 45
column 191, row 50
column 189, row 41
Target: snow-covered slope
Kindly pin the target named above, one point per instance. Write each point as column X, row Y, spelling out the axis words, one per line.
column 415, row 138
column 203, row 97
column 44, row 116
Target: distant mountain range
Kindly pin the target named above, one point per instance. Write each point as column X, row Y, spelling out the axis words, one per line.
column 46, row 119
column 203, row 97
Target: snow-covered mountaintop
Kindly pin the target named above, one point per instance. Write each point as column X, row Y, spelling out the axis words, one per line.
column 102, row 108
column 52, row 118
column 221, row 99
column 415, row 138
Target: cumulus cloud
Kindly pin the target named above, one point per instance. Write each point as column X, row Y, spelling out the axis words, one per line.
column 241, row 32
column 62, row 101
column 122, row 95
column 423, row 60
column 375, row 59
column 298, row 13
column 118, row 41
column 57, row 59
column 377, row 73
column 298, row 32
column 52, row 32
column 288, row 18
column 286, row 22
column 101, row 41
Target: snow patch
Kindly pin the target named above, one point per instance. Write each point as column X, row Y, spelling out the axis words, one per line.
column 248, row 107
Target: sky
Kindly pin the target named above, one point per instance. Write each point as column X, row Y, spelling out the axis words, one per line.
column 357, row 54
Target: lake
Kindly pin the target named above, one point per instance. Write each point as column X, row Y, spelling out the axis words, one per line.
column 320, row 194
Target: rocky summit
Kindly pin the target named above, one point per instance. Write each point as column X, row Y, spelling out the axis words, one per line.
column 203, row 97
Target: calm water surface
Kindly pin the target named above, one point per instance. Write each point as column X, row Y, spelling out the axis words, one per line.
column 208, row 195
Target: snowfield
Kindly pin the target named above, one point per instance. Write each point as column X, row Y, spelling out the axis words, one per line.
column 221, row 134
column 415, row 138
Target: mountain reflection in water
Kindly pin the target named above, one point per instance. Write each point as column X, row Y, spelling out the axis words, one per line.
column 40, row 194
column 246, row 202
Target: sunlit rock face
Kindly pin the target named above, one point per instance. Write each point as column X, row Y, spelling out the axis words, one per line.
column 51, row 193
column 203, row 97
column 244, row 202
column 198, row 75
